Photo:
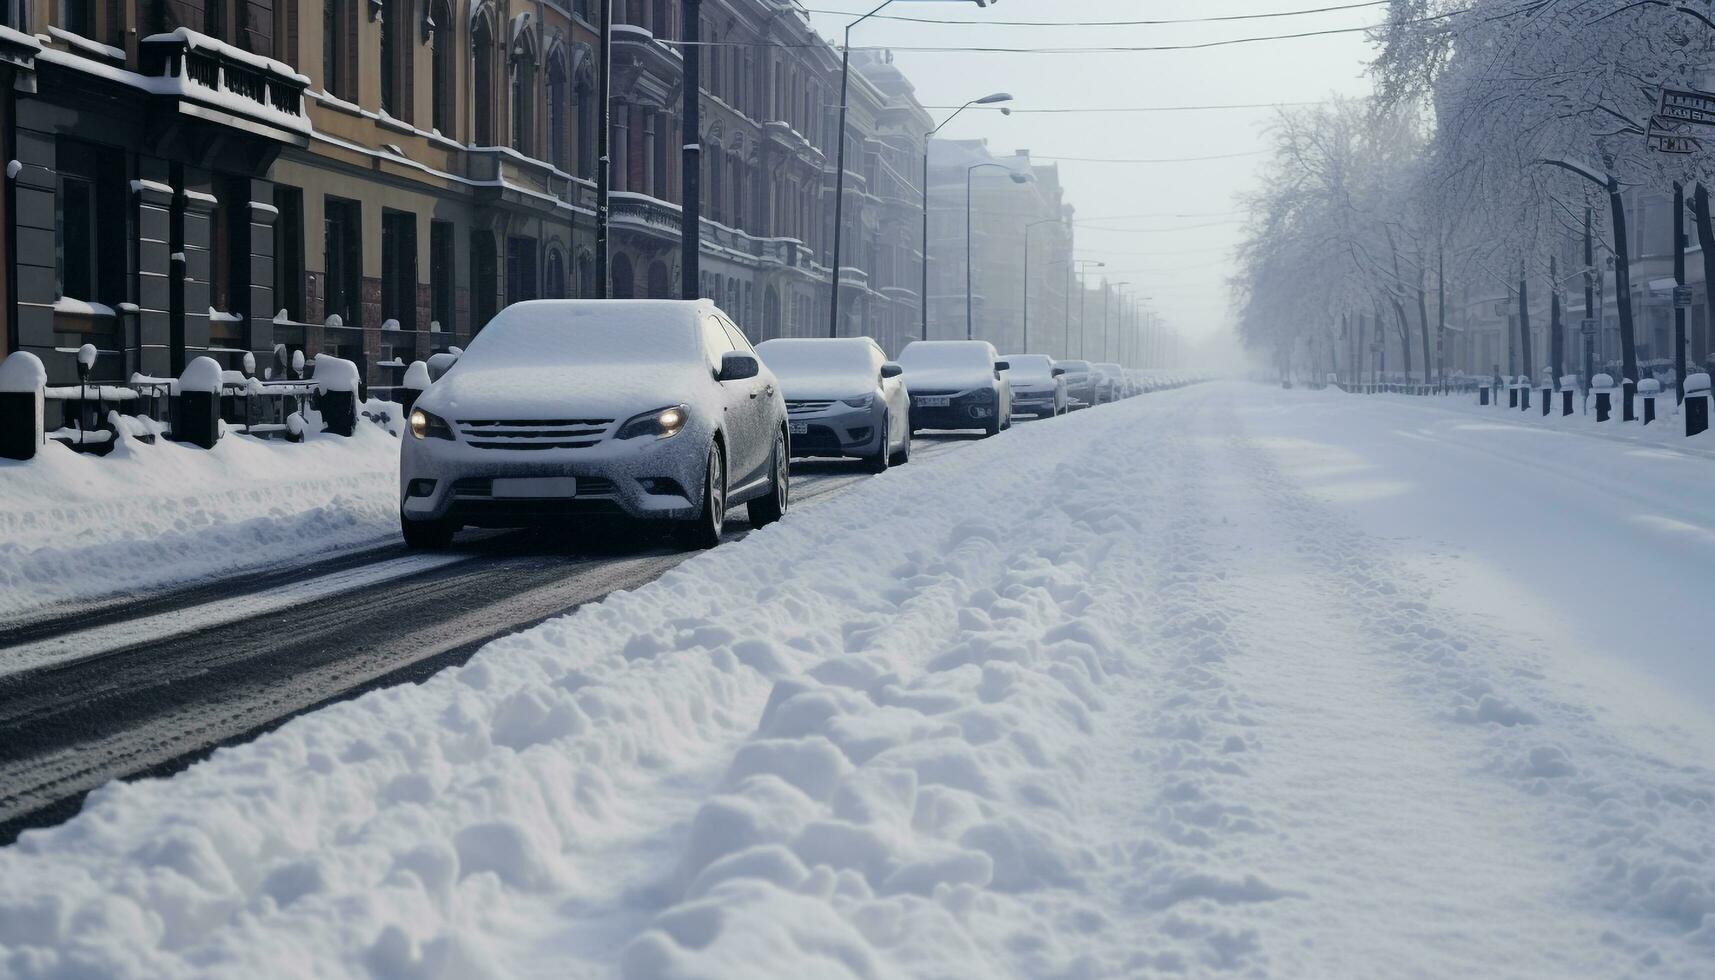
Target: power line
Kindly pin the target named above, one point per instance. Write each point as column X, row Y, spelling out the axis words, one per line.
column 1151, row 108
column 1219, row 156
column 1270, row 15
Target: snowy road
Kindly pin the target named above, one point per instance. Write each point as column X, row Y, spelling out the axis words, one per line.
column 1227, row 680
column 149, row 685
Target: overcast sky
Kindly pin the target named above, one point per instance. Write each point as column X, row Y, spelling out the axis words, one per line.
column 1183, row 268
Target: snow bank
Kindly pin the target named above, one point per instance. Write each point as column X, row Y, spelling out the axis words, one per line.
column 1109, row 696
column 78, row 527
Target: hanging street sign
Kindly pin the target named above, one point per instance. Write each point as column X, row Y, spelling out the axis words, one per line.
column 1666, row 137
column 1587, row 327
column 1682, row 297
column 1681, row 105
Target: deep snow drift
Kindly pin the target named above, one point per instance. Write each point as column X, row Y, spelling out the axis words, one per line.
column 1151, row 689
column 77, row 527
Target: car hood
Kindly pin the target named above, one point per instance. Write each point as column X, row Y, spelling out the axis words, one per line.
column 610, row 391
column 947, row 379
column 824, row 387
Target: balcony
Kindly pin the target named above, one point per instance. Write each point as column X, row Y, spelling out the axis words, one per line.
column 215, row 82
column 504, row 174
column 642, row 213
column 791, row 141
column 645, row 71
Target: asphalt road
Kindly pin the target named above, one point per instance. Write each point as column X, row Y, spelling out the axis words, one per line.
column 147, row 686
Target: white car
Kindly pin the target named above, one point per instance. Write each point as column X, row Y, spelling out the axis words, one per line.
column 578, row 410
column 843, row 399
column 957, row 384
column 1038, row 385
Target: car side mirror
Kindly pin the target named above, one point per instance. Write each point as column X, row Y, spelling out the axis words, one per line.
column 738, row 367
column 1002, row 366
column 891, row 370
column 1058, row 372
column 440, row 364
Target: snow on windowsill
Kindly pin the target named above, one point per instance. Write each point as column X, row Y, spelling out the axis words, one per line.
column 66, row 304
column 86, row 44
column 221, row 316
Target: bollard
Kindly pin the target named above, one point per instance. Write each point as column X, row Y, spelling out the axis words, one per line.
column 1696, row 404
column 1547, row 393
column 1483, row 394
column 196, row 408
column 1650, row 389
column 415, row 381
column 336, row 394
column 1628, row 395
column 1567, row 383
column 23, row 411
column 1512, row 394
column 1602, row 386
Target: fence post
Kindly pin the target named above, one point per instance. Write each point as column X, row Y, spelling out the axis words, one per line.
column 196, row 410
column 337, row 383
column 1602, row 386
column 1568, row 382
column 415, row 381
column 23, row 412
column 1649, row 389
column 1696, row 404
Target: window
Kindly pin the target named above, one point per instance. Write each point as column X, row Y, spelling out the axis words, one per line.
column 89, row 256
column 214, row 20
column 740, row 342
column 441, row 282
column 624, row 283
column 482, row 81
column 588, row 121
column 342, row 224
column 76, row 259
column 555, row 286
column 220, row 248
column 520, row 269
column 660, row 286
column 559, row 113
column 77, row 17
column 523, row 105
column 289, row 252
column 399, row 268
column 716, row 343
column 396, row 51
column 654, row 178
column 585, row 267
column 441, row 70
column 484, row 279
column 339, row 48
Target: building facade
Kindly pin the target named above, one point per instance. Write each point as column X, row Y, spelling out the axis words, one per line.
column 377, row 178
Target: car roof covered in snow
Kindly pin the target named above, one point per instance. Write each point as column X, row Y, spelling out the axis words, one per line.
column 587, row 330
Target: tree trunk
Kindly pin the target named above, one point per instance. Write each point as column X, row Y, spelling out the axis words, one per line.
column 1527, row 369
column 1623, row 297
column 1706, row 238
column 1557, row 335
column 1423, row 325
column 1404, row 337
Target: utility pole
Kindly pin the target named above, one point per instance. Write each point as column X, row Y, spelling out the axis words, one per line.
column 691, row 170
column 1591, row 320
column 604, row 155
column 1679, row 285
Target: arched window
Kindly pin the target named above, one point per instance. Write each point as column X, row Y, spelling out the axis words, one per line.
column 737, row 192
column 584, row 266
column 624, row 283
column 555, row 287
column 482, row 80
column 588, row 121
column 523, row 104
column 396, row 51
column 442, row 60
column 659, row 287
column 559, row 111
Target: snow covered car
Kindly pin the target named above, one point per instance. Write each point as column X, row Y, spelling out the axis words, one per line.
column 1038, row 385
column 1080, row 383
column 576, row 410
column 1119, row 385
column 843, row 398
column 957, row 384
column 1105, row 377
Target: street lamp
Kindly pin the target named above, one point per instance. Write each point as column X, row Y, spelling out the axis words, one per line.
column 840, row 156
column 1077, row 265
column 923, row 298
column 1017, row 178
column 1106, row 302
column 1027, row 229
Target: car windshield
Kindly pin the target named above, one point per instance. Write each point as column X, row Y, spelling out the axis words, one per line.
column 936, row 355
column 1030, row 367
column 790, row 359
column 575, row 332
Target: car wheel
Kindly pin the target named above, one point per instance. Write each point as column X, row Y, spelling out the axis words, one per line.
column 767, row 510
column 704, row 531
column 883, row 451
column 426, row 535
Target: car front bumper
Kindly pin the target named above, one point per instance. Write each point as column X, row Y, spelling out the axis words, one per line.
column 638, row 478
column 836, row 432
column 976, row 410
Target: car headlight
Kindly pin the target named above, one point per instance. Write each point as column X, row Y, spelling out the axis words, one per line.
column 425, row 425
column 662, row 423
column 862, row 401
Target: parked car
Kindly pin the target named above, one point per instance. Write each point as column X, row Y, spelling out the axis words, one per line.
column 843, row 398
column 1038, row 385
column 1114, row 375
column 1105, row 380
column 577, row 410
column 1080, row 383
column 957, row 384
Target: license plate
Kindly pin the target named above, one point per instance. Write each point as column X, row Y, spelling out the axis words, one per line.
column 535, row 486
column 934, row 401
column 798, row 428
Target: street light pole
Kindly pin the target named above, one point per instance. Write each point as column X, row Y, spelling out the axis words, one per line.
column 604, row 154
column 923, row 297
column 691, row 170
column 1081, row 295
column 1017, row 178
column 840, row 161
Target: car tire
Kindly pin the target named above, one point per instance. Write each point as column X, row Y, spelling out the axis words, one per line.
column 991, row 428
column 426, row 535
column 903, row 456
column 879, row 462
column 704, row 530
column 766, row 510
